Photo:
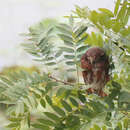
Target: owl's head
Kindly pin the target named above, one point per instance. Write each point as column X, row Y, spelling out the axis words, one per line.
column 92, row 56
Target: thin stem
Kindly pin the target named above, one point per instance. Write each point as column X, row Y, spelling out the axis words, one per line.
column 57, row 80
column 77, row 70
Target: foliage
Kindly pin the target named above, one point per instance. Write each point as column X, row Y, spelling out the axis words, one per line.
column 65, row 105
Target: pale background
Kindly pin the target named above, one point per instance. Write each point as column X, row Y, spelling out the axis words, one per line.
column 17, row 15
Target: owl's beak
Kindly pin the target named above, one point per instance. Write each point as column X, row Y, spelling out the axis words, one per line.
column 91, row 60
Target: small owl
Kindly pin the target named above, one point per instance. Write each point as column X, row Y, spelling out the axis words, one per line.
column 95, row 65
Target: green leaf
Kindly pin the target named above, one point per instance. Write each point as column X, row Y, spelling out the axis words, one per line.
column 69, row 43
column 65, row 37
column 64, row 28
column 69, row 56
column 71, row 70
column 94, row 17
column 48, row 99
column 49, row 31
column 43, row 103
column 126, row 18
column 106, row 11
column 82, row 48
column 60, row 91
column 58, row 54
column 13, row 119
column 72, row 121
column 66, row 106
column 82, row 98
column 80, row 30
column 50, row 63
column 96, row 127
column 108, row 123
column 52, row 116
column 58, row 110
column 122, row 12
column 104, row 128
column 94, row 38
column 4, row 79
column 100, row 40
column 28, row 119
column 120, row 125
column 46, row 122
column 70, row 62
column 108, row 117
column 74, row 102
column 116, row 85
column 124, row 97
column 12, row 125
column 66, row 49
column 116, row 27
column 87, row 112
column 40, row 126
column 125, row 123
column 117, row 7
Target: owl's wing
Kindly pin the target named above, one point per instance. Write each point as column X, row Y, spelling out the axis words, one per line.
column 87, row 75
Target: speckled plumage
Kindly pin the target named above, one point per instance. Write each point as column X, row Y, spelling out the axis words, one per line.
column 95, row 65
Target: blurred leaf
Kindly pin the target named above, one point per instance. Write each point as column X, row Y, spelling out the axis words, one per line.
column 122, row 12
column 116, row 27
column 65, row 37
column 124, row 97
column 72, row 121
column 60, row 91
column 96, row 127
column 64, row 28
column 69, row 56
column 43, row 103
column 104, row 128
column 66, row 106
column 12, row 125
column 4, row 79
column 107, row 11
column 116, row 7
column 80, row 30
column 46, row 122
column 50, row 63
column 125, row 123
column 48, row 99
column 74, row 102
column 58, row 110
column 52, row 116
column 94, row 17
column 66, row 49
column 58, row 54
column 82, row 48
column 70, row 63
column 82, row 97
column 40, row 126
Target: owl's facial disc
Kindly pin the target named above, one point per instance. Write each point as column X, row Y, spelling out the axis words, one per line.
column 91, row 59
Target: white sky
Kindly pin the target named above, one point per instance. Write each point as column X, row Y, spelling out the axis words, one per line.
column 17, row 15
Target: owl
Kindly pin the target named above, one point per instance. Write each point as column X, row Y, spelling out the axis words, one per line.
column 95, row 65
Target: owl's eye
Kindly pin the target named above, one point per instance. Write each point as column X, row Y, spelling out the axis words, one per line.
column 86, row 58
column 101, row 58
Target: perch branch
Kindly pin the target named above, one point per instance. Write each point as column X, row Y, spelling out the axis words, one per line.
column 57, row 80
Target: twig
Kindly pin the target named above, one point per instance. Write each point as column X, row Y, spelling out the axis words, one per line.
column 57, row 80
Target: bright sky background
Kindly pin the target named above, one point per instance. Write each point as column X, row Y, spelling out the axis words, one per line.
column 17, row 15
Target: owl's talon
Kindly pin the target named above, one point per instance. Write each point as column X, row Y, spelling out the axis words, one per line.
column 90, row 90
column 102, row 94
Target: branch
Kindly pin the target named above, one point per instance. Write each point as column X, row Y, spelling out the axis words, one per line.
column 60, row 81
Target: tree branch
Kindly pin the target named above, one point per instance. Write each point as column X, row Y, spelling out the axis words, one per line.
column 57, row 80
